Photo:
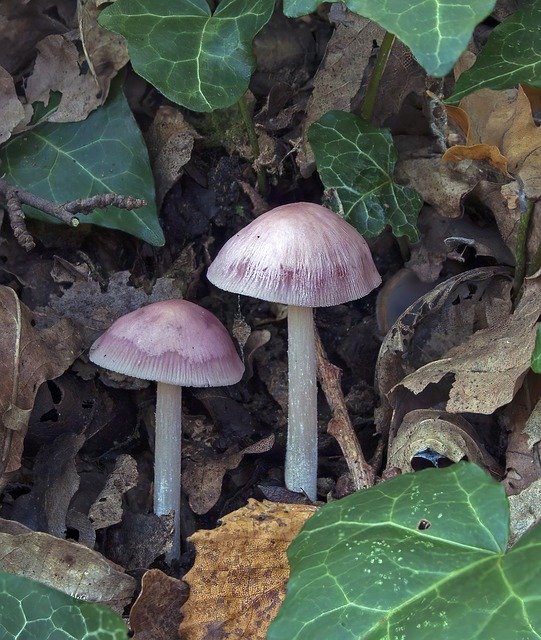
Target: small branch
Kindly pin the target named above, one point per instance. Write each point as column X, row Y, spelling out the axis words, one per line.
column 15, row 197
column 340, row 426
column 16, row 220
column 254, row 142
column 369, row 102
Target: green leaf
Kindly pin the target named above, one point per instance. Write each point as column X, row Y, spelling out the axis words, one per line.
column 536, row 355
column 512, row 55
column 104, row 153
column 421, row 556
column 200, row 60
column 357, row 160
column 30, row 610
column 436, row 31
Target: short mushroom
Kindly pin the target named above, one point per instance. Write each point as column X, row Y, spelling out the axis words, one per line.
column 175, row 343
column 305, row 256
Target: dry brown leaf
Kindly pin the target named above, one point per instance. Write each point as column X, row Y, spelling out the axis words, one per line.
column 444, row 239
column 155, row 614
column 170, row 143
column 479, row 152
column 522, row 461
column 449, row 435
column 139, row 539
column 522, row 146
column 337, row 80
column 106, row 52
column 107, row 509
column 488, row 367
column 239, row 577
column 67, row 566
column 57, row 69
column 55, row 483
column 501, row 127
column 28, row 357
column 23, row 24
column 438, row 182
column 532, row 428
column 93, row 310
column 525, row 510
column 10, row 106
column 443, row 318
column 204, row 472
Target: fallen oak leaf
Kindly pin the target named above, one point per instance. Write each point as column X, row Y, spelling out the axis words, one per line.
column 500, row 129
column 28, row 357
column 488, row 367
column 238, row 581
column 67, row 566
column 155, row 614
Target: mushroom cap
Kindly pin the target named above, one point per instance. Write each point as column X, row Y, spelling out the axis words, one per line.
column 174, row 341
column 300, row 254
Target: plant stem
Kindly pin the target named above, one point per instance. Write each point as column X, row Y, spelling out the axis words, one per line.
column 369, row 101
column 301, row 452
column 254, row 142
column 521, row 246
column 167, row 457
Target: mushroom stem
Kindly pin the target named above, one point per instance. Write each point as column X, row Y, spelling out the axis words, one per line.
column 301, row 452
column 167, row 450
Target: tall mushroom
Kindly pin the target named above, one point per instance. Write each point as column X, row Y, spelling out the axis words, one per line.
column 175, row 343
column 305, row 256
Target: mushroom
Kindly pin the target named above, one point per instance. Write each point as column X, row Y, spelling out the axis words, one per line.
column 175, row 343
column 305, row 256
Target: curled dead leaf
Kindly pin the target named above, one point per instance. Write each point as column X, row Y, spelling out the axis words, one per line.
column 170, row 141
column 487, row 369
column 452, row 436
column 443, row 318
column 238, row 581
column 28, row 357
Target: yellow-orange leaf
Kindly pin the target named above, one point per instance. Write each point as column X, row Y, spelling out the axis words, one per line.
column 239, row 577
column 486, row 152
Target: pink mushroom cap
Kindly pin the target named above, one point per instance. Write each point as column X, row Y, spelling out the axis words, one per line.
column 298, row 254
column 175, row 341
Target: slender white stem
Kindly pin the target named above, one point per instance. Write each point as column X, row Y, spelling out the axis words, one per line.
column 301, row 453
column 167, row 449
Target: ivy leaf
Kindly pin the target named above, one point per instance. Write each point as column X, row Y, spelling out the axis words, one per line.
column 102, row 154
column 419, row 556
column 511, row 55
column 436, row 31
column 33, row 611
column 357, row 161
column 200, row 60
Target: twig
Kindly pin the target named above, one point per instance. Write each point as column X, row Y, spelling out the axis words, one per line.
column 66, row 212
column 340, row 426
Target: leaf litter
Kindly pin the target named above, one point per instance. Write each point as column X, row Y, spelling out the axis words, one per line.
column 452, row 373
